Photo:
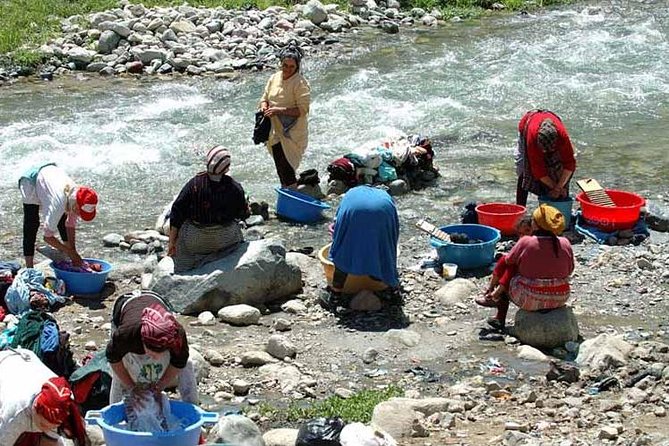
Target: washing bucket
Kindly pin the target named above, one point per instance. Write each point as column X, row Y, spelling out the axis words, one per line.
column 354, row 283
column 299, row 207
column 471, row 256
column 84, row 283
column 191, row 416
column 624, row 215
column 563, row 205
column 502, row 216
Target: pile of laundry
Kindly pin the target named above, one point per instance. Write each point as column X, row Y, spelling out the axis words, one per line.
column 403, row 163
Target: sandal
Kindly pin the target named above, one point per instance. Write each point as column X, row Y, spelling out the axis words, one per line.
column 497, row 324
column 486, row 301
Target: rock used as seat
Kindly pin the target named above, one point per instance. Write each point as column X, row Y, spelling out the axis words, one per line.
column 255, row 273
column 545, row 329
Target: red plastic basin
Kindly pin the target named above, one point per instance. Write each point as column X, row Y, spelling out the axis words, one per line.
column 502, row 216
column 624, row 215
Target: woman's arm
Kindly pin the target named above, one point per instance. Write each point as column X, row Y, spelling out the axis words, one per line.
column 285, row 111
column 167, row 378
column 122, row 374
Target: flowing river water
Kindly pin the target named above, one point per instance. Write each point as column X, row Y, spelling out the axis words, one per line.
column 603, row 67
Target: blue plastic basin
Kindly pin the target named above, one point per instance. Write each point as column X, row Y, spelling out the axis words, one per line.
column 299, row 207
column 84, row 283
column 192, row 420
column 471, row 256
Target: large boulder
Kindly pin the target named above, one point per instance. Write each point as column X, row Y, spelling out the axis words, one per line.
column 604, row 352
column 108, row 41
column 546, row 330
column 255, row 273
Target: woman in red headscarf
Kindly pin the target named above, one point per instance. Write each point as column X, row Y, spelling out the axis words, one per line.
column 148, row 348
column 35, row 404
column 544, row 157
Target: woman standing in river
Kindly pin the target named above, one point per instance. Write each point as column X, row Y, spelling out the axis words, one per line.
column 286, row 102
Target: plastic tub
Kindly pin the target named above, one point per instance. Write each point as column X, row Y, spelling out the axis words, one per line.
column 564, row 205
column 624, row 215
column 471, row 256
column 84, row 283
column 299, row 207
column 192, row 420
column 502, row 216
column 354, row 283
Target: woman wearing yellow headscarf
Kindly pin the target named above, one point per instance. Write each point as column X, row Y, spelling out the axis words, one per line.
column 534, row 275
column 286, row 102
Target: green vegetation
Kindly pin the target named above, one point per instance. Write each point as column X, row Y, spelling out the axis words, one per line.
column 359, row 407
column 26, row 24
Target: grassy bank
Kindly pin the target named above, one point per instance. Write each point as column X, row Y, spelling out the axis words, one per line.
column 26, row 24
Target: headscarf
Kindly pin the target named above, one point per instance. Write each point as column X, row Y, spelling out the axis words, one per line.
column 549, row 219
column 292, row 51
column 218, row 162
column 547, row 135
column 56, row 404
column 160, row 328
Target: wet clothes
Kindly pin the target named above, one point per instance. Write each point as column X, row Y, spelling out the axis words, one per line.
column 284, row 170
column 366, row 235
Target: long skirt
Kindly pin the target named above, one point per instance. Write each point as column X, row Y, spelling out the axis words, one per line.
column 199, row 244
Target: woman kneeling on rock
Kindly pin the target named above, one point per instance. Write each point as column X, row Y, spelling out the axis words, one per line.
column 36, row 406
column 148, row 348
column 535, row 273
column 204, row 217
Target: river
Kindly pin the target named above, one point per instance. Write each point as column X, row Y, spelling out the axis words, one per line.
column 603, row 67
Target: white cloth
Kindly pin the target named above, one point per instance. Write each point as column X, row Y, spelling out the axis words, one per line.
column 21, row 378
column 50, row 192
column 144, row 369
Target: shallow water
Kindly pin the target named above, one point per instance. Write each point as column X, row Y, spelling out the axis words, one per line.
column 603, row 67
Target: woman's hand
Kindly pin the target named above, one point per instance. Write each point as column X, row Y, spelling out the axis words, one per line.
column 555, row 192
column 274, row 111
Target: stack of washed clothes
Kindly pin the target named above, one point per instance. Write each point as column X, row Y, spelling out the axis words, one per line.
column 407, row 158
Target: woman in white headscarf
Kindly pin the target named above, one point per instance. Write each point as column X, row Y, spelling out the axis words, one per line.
column 286, row 102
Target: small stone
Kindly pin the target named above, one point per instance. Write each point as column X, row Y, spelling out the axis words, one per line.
column 370, row 355
column 139, row 248
column 206, row 318
column 214, row 357
column 660, row 412
column 241, row 387
column 77, row 330
column 344, row 393
column 282, row 324
column 112, row 239
column 513, row 426
column 608, row 433
column 91, row 346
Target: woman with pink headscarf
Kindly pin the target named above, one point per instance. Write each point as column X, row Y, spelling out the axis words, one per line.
column 148, row 348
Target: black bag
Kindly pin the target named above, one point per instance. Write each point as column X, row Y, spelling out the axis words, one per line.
column 320, row 432
column 262, row 128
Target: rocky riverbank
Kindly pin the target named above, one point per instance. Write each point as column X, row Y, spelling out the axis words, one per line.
column 462, row 384
column 134, row 39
